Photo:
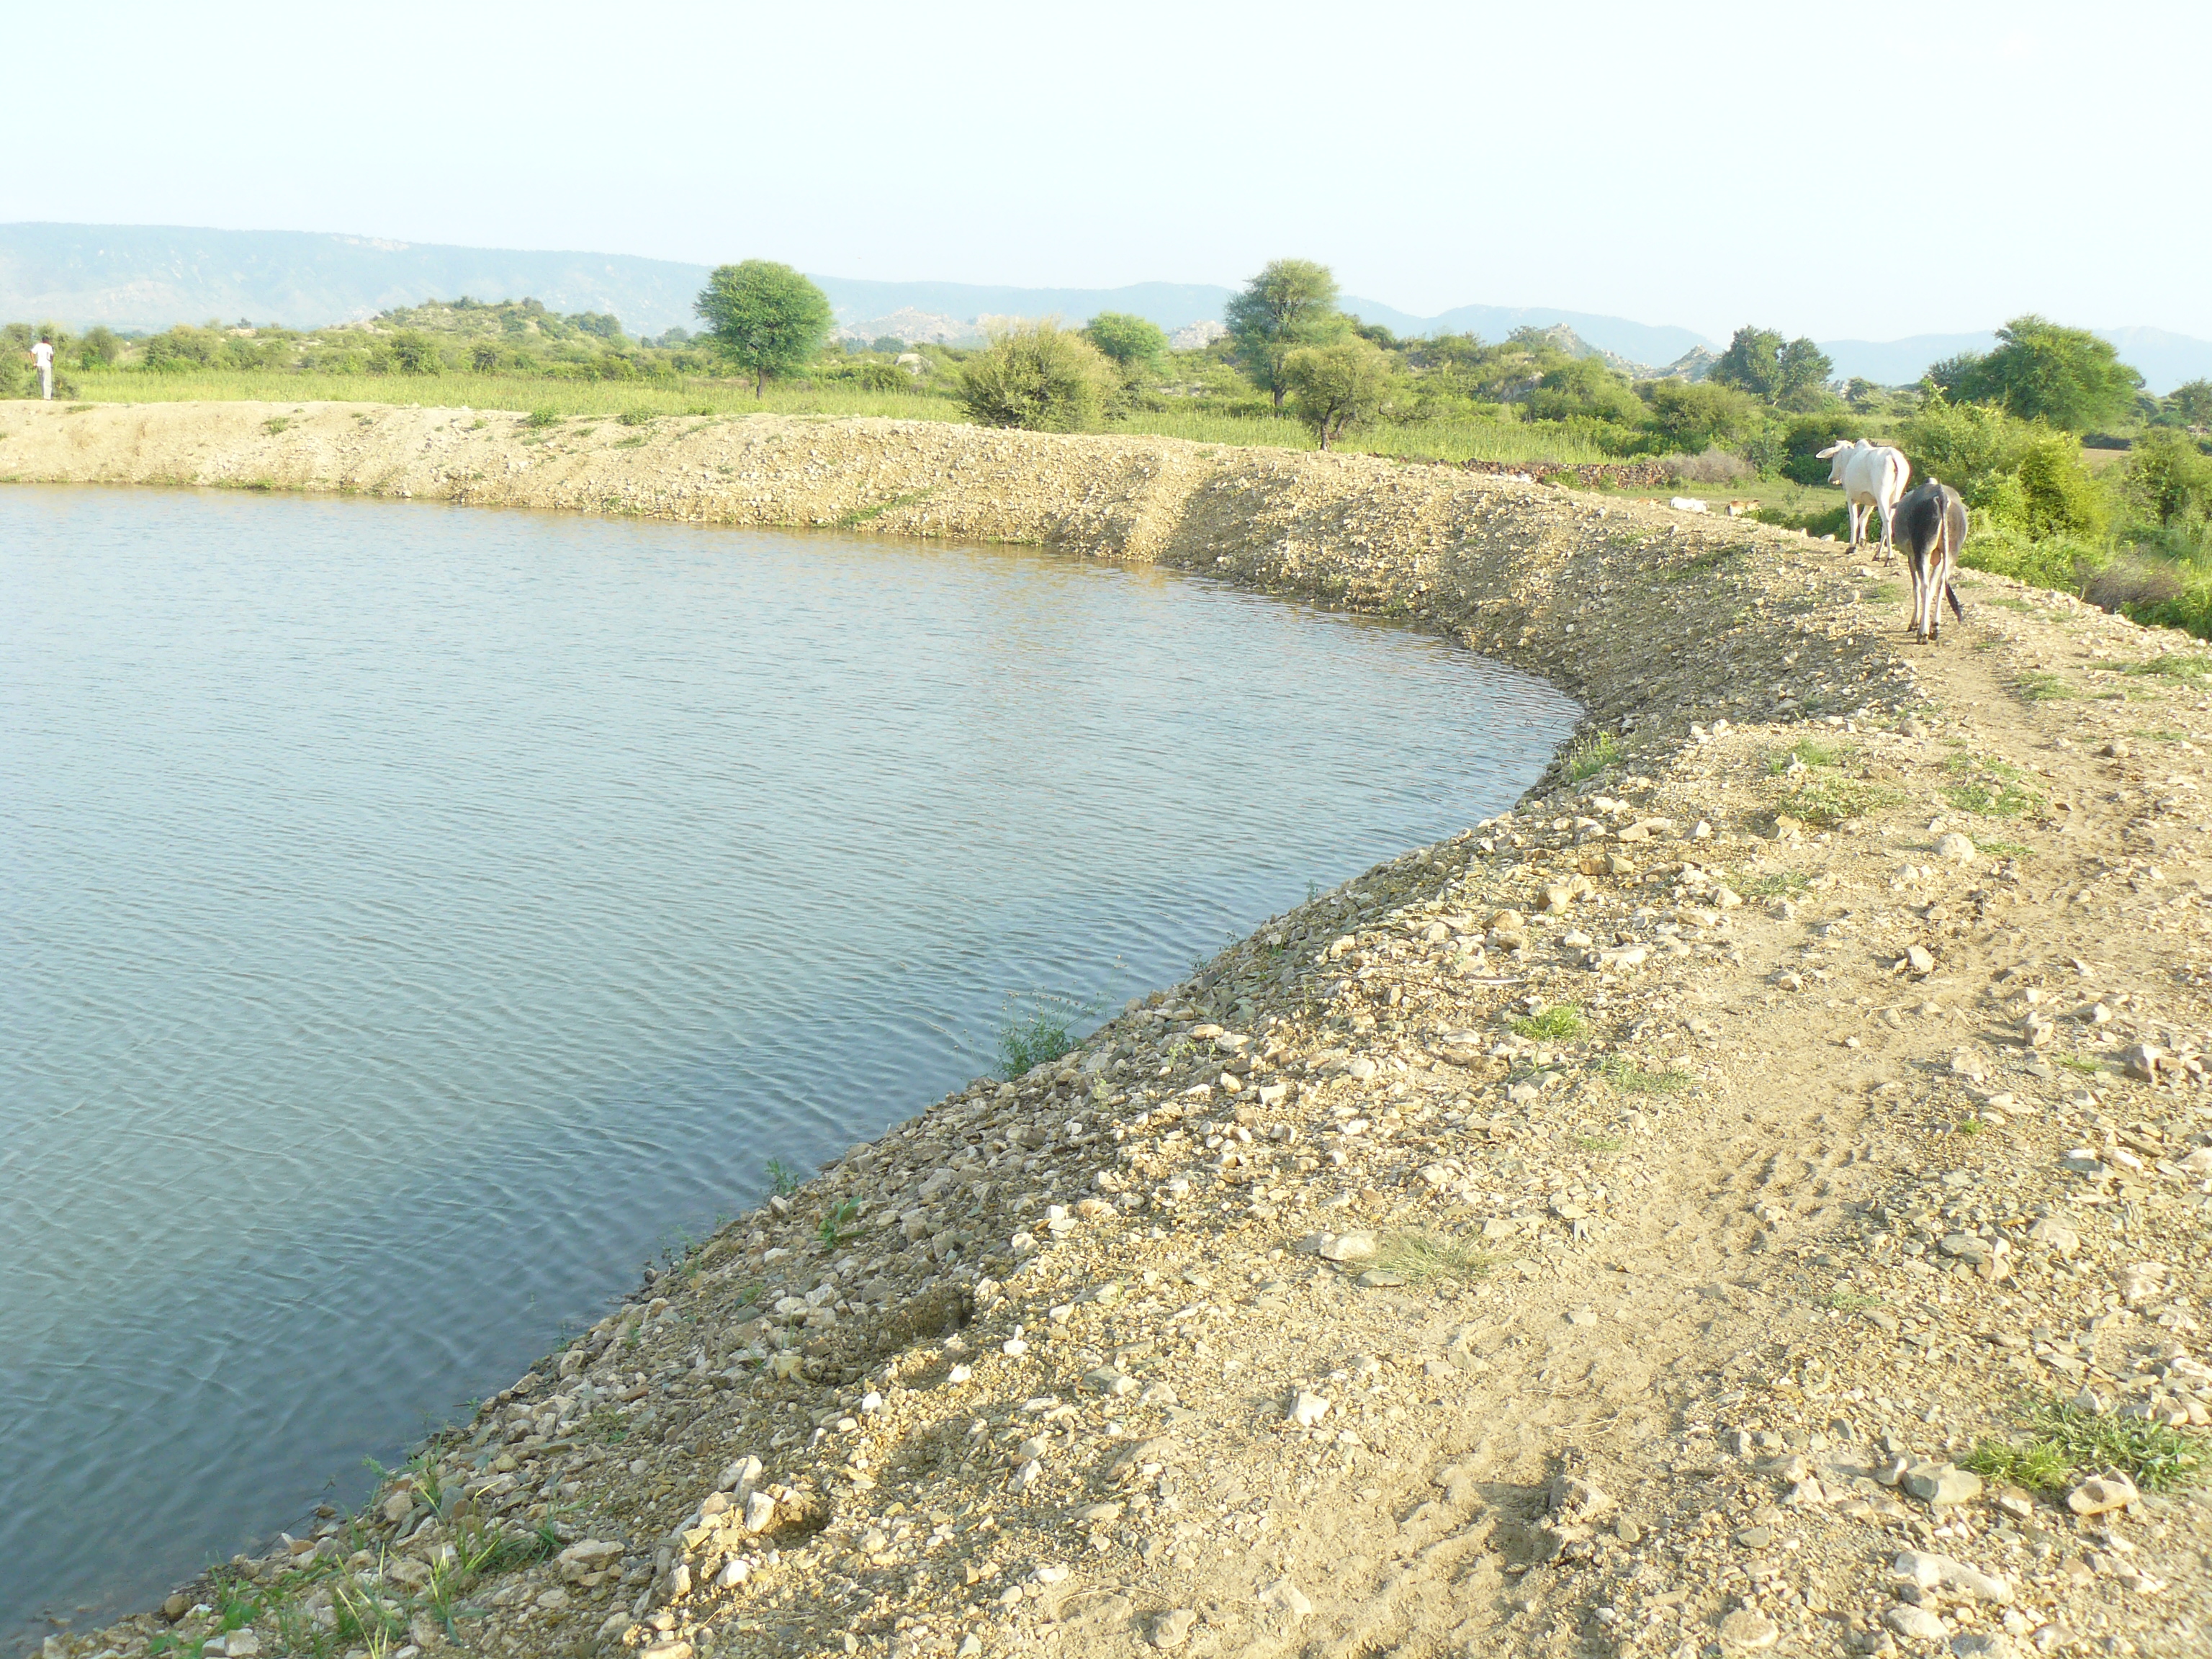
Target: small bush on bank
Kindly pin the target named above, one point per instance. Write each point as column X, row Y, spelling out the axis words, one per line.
column 1038, row 376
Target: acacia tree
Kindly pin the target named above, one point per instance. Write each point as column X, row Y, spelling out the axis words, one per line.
column 764, row 318
column 1289, row 305
column 2192, row 401
column 1132, row 341
column 1759, row 361
column 2042, row 371
column 1332, row 386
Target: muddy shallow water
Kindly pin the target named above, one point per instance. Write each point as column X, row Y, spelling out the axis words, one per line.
column 419, row 918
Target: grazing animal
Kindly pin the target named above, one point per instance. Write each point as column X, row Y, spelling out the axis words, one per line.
column 1932, row 523
column 1872, row 477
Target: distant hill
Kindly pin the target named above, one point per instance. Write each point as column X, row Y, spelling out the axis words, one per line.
column 148, row 277
column 1616, row 337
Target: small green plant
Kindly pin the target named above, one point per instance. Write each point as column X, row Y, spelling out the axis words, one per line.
column 1024, row 1045
column 1828, row 802
column 2040, row 686
column 1626, row 1076
column 860, row 515
column 2060, row 1440
column 477, row 424
column 1806, row 752
column 1777, row 883
column 541, row 417
column 2089, row 1066
column 1991, row 798
column 2006, row 849
column 1850, row 1301
column 276, row 423
column 781, row 1179
column 1969, row 1126
column 1591, row 756
column 833, row 1222
column 78, row 408
column 1599, row 1143
column 1559, row 1022
column 637, row 418
column 1418, row 1258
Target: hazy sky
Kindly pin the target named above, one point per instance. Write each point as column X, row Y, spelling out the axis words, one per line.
column 1864, row 170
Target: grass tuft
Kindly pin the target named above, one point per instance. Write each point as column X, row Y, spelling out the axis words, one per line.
column 1828, row 802
column 2061, row 1441
column 782, row 1180
column 1777, row 884
column 1591, row 756
column 1025, row 1043
column 1807, row 751
column 1418, row 1258
column 2173, row 667
column 1625, row 1075
column 542, row 416
column 1556, row 1024
column 2040, row 686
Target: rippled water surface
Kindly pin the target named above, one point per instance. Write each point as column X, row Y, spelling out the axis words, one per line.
column 415, row 918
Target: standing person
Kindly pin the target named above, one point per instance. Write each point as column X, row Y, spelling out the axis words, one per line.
column 43, row 354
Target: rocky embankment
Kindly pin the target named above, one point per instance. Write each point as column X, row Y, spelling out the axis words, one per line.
column 1751, row 1197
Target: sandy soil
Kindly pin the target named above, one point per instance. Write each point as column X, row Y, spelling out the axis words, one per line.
column 1605, row 1232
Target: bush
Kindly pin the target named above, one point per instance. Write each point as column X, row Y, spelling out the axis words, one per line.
column 414, row 352
column 884, row 377
column 2060, row 562
column 1585, row 387
column 1691, row 417
column 2018, row 475
column 2169, row 479
column 1807, row 437
column 1039, row 376
column 1712, row 466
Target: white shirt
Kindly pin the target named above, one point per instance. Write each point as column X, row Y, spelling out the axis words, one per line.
column 43, row 354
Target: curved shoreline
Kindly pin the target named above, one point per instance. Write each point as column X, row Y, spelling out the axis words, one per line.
column 981, row 1420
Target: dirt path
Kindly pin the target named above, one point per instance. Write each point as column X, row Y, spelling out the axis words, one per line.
column 1603, row 1232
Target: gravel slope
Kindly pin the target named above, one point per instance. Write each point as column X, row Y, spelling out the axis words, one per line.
column 1605, row 1232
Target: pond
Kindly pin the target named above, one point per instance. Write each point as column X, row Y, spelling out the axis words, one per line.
column 417, row 919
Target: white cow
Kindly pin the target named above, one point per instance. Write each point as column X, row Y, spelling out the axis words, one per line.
column 1874, row 477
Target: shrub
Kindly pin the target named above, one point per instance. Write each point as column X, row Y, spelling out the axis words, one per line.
column 2018, row 475
column 1712, row 466
column 1339, row 385
column 884, row 377
column 2169, row 478
column 2062, row 562
column 1584, row 386
column 1807, row 436
column 1039, row 376
column 1687, row 415
column 414, row 352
